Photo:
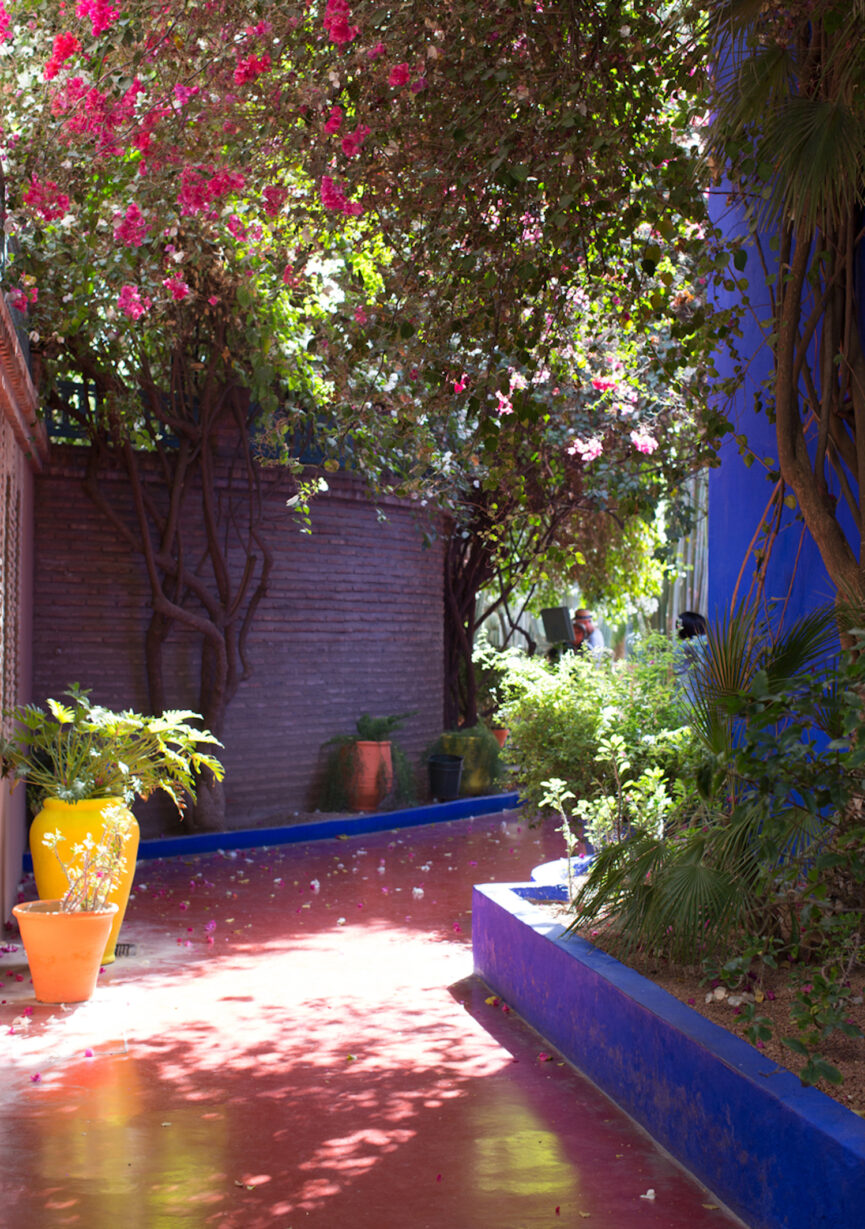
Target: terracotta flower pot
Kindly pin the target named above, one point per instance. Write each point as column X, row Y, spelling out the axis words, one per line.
column 64, row 950
column 500, row 734
column 75, row 820
column 371, row 775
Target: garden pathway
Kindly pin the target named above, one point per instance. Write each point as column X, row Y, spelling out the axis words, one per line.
column 298, row 1041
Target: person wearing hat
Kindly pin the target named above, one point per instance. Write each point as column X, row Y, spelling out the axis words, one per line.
column 586, row 634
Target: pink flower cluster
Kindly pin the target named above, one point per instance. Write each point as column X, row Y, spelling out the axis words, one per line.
column 643, row 441
column 65, row 47
column 129, row 227
column 505, row 405
column 102, row 14
column 131, row 302
column 250, row 68
column 352, row 141
column 5, row 24
column 199, row 188
column 176, row 287
column 91, row 114
column 587, row 450
column 183, row 93
column 333, row 122
column 21, row 297
column 46, row 199
column 334, row 199
column 274, row 198
column 336, row 17
column 400, row 74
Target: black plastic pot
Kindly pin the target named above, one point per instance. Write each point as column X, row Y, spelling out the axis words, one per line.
column 445, row 773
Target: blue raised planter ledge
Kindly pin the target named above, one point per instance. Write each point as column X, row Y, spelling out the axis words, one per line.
column 296, row 834
column 780, row 1155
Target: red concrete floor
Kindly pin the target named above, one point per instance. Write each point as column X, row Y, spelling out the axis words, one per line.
column 299, row 1041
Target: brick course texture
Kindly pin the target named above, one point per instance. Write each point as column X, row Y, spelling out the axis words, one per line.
column 352, row 623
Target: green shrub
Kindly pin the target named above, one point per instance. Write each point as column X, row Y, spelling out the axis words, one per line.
column 562, row 718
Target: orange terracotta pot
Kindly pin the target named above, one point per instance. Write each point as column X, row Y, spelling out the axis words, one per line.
column 500, row 734
column 64, row 950
column 371, row 774
column 75, row 820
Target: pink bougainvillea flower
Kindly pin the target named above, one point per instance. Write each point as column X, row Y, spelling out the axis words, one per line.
column 102, row 14
column 417, row 86
column 274, row 198
column 333, row 122
column 352, row 141
column 460, row 384
column 237, row 227
column 46, row 199
column 505, row 406
column 602, row 386
column 587, row 450
column 336, row 22
column 129, row 227
column 334, row 199
column 253, row 66
column 20, row 299
column 544, row 1057
column 643, row 441
column 375, row 52
column 361, row 317
column 5, row 24
column 178, row 289
column 399, row 75
column 36, row 1078
column 65, row 47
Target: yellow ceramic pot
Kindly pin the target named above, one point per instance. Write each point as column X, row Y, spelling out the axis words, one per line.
column 75, row 820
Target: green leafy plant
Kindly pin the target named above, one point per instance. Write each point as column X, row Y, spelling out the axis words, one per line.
column 76, row 750
column 577, row 719
column 557, row 794
column 762, row 862
column 95, row 866
column 379, row 729
column 340, row 764
column 479, row 750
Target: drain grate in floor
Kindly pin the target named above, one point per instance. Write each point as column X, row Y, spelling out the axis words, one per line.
column 125, row 949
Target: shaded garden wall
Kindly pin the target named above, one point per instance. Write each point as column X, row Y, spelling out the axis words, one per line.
column 22, row 446
column 352, row 622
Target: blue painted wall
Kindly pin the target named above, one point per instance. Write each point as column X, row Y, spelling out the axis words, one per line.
column 738, row 496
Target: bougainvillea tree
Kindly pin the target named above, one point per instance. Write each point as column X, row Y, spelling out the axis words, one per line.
column 236, row 218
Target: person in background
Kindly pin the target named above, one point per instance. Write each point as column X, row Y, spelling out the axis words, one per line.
column 691, row 624
column 692, row 628
column 586, row 634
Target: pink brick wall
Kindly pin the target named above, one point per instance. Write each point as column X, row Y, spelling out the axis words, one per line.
column 352, row 623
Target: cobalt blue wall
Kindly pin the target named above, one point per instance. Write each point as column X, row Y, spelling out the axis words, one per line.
column 738, row 495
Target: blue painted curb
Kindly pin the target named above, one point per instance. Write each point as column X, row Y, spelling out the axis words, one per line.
column 293, row 834
column 780, row 1155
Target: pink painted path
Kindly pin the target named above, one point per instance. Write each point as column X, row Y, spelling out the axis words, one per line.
column 299, row 1042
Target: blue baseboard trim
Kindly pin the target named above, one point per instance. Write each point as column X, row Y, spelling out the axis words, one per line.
column 327, row 829
column 780, row 1155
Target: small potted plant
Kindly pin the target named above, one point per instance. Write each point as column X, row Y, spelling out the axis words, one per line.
column 363, row 767
column 82, row 759
column 481, row 755
column 65, row 939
